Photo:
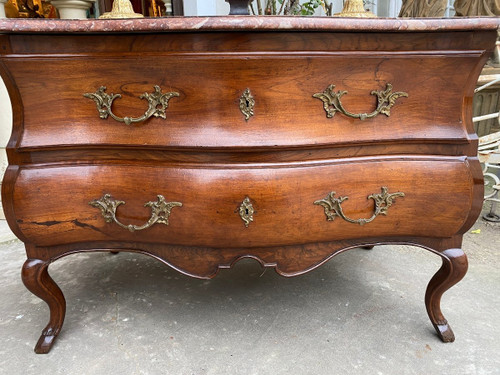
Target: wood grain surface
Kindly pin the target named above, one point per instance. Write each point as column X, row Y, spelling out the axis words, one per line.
column 282, row 82
column 283, row 197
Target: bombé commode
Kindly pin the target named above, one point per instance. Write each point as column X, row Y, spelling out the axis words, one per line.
column 201, row 141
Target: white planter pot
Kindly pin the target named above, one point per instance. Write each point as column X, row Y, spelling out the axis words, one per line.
column 2, row 8
column 72, row 9
column 168, row 6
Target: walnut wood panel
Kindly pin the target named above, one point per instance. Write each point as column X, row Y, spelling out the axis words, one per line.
column 208, row 115
column 206, row 262
column 217, row 42
column 282, row 197
column 142, row 155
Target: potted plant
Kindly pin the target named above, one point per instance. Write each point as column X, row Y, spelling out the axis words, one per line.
column 278, row 7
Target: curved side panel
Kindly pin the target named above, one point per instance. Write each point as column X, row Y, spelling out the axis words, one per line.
column 17, row 112
column 8, row 183
column 477, row 197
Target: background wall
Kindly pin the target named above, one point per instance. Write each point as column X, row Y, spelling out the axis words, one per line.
column 201, row 7
column 383, row 8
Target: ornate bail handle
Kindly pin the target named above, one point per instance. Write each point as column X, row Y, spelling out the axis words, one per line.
column 158, row 104
column 160, row 211
column 333, row 206
column 385, row 100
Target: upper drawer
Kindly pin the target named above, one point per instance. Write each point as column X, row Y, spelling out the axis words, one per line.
column 207, row 111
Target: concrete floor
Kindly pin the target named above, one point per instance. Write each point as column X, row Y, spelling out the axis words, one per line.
column 361, row 313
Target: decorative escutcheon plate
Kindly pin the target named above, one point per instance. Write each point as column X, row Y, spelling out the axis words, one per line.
column 246, row 212
column 247, row 104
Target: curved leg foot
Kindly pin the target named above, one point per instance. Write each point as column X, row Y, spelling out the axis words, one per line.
column 37, row 280
column 451, row 272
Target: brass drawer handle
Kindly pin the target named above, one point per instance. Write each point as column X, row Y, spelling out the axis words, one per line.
column 382, row 201
column 160, row 211
column 158, row 104
column 385, row 100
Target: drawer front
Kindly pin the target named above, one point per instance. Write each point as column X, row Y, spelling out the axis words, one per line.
column 287, row 203
column 206, row 112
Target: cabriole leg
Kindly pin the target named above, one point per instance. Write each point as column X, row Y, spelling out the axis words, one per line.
column 451, row 272
column 37, row 280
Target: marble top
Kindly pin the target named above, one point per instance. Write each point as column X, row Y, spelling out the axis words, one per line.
column 246, row 23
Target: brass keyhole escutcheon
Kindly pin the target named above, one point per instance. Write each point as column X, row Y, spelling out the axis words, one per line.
column 247, row 104
column 246, row 212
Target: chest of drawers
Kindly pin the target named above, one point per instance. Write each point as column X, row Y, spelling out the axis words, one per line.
column 201, row 141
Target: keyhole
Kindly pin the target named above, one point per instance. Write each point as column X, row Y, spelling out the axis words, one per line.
column 246, row 211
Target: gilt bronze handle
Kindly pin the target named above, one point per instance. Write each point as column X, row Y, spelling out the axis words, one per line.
column 385, row 100
column 160, row 211
column 158, row 104
column 382, row 201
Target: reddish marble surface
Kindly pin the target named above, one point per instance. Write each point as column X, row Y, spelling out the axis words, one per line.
column 242, row 23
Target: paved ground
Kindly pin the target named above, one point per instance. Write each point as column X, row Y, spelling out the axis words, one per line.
column 360, row 313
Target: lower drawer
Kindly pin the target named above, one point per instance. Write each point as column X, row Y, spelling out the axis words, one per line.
column 289, row 204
